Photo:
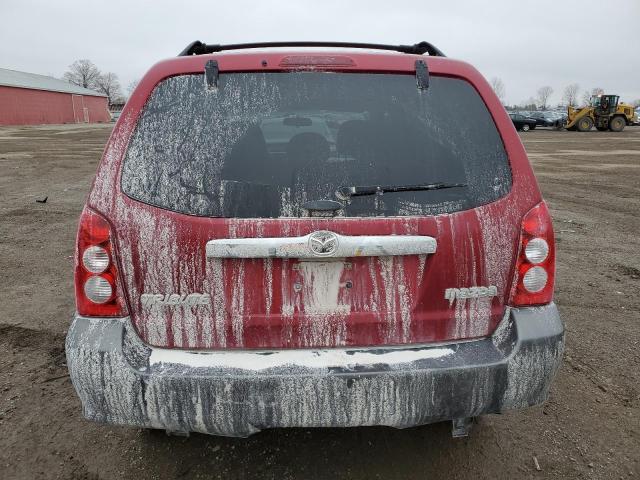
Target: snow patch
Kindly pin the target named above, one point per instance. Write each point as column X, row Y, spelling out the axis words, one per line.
column 309, row 359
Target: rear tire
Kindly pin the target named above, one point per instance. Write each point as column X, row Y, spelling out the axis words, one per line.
column 525, row 127
column 585, row 124
column 617, row 124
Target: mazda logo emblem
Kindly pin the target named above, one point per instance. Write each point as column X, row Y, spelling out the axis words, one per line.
column 323, row 243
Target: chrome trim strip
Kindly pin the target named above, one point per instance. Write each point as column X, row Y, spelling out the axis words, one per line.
column 321, row 244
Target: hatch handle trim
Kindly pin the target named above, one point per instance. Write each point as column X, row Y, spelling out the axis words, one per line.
column 321, row 244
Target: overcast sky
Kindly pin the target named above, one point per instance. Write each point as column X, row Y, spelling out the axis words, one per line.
column 527, row 45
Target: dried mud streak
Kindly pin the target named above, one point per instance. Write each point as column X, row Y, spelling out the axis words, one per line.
column 298, row 388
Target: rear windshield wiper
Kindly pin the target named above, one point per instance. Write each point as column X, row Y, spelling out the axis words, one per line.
column 359, row 191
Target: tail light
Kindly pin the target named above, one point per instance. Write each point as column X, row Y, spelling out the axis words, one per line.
column 535, row 269
column 98, row 293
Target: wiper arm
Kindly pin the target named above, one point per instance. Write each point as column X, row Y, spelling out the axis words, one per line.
column 344, row 193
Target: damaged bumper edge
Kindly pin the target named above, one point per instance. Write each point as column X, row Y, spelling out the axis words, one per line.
column 121, row 380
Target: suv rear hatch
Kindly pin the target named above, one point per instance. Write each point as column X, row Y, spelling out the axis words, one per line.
column 241, row 161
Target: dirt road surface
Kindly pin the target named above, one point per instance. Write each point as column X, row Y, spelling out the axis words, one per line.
column 589, row 428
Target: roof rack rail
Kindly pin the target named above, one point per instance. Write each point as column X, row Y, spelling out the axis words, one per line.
column 199, row 48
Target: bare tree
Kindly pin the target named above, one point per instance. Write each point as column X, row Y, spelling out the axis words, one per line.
column 543, row 96
column 529, row 104
column 132, row 86
column 586, row 96
column 570, row 94
column 108, row 84
column 82, row 73
column 498, row 88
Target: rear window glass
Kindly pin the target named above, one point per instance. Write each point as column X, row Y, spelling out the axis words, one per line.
column 263, row 144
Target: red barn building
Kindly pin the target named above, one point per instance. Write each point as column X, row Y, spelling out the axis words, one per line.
column 30, row 99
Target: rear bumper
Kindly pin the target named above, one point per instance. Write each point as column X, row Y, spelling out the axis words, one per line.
column 120, row 380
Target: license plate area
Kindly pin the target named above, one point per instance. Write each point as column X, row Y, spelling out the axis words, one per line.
column 321, row 287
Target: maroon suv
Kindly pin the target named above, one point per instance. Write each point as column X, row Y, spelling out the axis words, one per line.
column 343, row 235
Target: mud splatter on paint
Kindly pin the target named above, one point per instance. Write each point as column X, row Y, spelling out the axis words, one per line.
column 170, row 161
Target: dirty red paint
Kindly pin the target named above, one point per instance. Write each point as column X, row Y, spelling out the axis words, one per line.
column 274, row 303
column 25, row 106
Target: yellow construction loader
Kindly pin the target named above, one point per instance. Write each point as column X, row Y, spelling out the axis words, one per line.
column 604, row 112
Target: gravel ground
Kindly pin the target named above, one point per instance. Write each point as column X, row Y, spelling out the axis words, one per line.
column 589, row 428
